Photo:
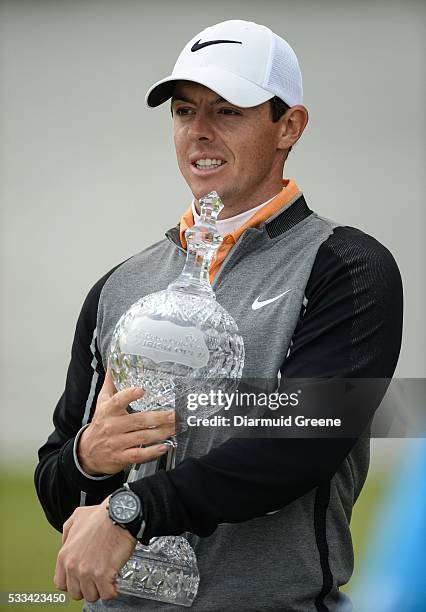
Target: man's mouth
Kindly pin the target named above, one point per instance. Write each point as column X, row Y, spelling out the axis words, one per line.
column 207, row 165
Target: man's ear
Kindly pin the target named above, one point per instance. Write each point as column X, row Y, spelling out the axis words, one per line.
column 292, row 124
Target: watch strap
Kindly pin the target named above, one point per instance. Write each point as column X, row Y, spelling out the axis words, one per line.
column 141, row 531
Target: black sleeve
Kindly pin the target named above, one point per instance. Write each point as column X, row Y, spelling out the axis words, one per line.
column 59, row 482
column 350, row 326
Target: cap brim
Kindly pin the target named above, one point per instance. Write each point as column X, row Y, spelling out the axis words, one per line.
column 231, row 87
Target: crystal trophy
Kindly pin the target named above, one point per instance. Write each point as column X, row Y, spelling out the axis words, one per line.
column 171, row 343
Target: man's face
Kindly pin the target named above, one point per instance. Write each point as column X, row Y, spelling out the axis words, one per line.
column 219, row 146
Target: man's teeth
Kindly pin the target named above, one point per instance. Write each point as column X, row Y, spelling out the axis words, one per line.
column 203, row 163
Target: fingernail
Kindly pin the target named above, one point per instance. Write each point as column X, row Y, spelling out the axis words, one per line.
column 163, row 449
column 171, row 417
column 138, row 391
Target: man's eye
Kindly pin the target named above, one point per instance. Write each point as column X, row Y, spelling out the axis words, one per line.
column 183, row 111
column 229, row 111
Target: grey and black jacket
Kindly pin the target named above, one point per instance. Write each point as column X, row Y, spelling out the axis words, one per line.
column 342, row 318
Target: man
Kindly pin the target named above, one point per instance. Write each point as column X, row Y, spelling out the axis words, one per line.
column 269, row 518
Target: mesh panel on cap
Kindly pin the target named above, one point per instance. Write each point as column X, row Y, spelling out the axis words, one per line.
column 285, row 79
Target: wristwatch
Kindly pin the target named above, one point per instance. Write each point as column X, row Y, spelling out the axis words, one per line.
column 125, row 510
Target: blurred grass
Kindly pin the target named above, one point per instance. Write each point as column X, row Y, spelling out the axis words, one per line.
column 29, row 545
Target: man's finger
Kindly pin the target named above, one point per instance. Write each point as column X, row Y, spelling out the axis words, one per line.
column 106, row 586
column 118, row 403
column 59, row 578
column 73, row 586
column 151, row 418
column 108, row 388
column 143, row 455
column 88, row 589
column 145, row 437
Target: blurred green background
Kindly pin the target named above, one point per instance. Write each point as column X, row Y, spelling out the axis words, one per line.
column 29, row 545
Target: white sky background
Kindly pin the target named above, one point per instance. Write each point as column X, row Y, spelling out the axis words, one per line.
column 88, row 175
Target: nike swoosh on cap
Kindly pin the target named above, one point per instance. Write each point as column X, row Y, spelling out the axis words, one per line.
column 199, row 45
column 258, row 304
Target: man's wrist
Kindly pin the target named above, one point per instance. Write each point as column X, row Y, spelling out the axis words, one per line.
column 80, row 459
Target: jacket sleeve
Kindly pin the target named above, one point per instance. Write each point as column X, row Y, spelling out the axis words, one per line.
column 350, row 326
column 60, row 483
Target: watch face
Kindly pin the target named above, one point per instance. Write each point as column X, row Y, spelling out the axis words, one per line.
column 124, row 507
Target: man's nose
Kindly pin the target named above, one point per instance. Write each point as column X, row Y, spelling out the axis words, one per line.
column 201, row 128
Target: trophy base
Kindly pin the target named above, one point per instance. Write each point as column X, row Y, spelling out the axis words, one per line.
column 165, row 571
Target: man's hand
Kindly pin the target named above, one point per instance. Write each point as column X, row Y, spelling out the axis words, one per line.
column 93, row 550
column 112, row 440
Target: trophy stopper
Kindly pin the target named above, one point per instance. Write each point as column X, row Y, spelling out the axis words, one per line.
column 203, row 239
column 204, row 235
column 211, row 205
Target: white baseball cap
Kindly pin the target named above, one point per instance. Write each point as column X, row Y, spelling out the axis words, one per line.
column 244, row 62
